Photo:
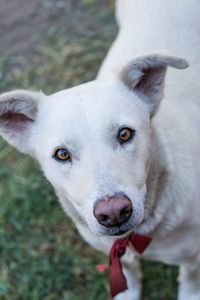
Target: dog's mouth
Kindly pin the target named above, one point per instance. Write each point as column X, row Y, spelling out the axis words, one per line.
column 120, row 231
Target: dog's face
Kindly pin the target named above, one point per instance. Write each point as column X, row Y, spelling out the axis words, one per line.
column 79, row 144
column 93, row 142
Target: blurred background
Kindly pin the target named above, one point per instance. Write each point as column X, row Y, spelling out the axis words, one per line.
column 51, row 45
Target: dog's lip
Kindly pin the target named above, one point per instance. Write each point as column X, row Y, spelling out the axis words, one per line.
column 120, row 232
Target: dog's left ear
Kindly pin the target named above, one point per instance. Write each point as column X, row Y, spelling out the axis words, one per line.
column 145, row 76
column 18, row 111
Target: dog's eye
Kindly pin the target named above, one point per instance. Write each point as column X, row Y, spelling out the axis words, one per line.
column 125, row 134
column 62, row 154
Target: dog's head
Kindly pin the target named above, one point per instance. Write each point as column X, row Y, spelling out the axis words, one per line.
column 93, row 141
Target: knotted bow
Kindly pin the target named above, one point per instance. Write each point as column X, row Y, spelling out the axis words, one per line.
column 117, row 279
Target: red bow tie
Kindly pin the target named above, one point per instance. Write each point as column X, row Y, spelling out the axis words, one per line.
column 117, row 279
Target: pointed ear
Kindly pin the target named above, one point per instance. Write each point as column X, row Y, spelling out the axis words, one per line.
column 18, row 111
column 146, row 75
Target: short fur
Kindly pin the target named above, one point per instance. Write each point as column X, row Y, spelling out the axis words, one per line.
column 159, row 169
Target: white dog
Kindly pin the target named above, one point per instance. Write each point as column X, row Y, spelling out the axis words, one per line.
column 118, row 160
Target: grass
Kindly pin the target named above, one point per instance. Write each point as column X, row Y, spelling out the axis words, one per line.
column 42, row 257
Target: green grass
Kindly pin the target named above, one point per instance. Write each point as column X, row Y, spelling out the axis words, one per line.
column 42, row 256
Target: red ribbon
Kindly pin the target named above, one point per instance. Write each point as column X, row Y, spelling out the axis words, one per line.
column 117, row 279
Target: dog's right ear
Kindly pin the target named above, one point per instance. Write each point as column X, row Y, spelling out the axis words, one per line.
column 145, row 76
column 18, row 111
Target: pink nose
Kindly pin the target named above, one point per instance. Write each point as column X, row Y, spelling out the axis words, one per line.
column 113, row 211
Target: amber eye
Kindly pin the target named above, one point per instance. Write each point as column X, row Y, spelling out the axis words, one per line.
column 125, row 134
column 62, row 154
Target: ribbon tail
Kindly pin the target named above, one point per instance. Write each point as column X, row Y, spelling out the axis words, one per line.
column 118, row 282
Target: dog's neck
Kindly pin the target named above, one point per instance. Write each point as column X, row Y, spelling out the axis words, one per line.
column 157, row 179
column 164, row 180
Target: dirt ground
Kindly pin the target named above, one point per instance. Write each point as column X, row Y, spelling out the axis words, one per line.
column 25, row 24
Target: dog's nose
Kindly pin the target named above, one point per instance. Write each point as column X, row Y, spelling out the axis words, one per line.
column 113, row 211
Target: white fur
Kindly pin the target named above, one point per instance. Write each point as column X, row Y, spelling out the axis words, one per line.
column 159, row 170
